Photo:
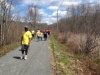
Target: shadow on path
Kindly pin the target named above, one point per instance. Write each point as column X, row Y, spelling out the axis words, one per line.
column 16, row 57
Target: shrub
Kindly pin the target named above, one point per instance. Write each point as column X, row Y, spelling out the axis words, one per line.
column 62, row 38
column 91, row 44
column 72, row 46
column 92, row 67
column 85, row 43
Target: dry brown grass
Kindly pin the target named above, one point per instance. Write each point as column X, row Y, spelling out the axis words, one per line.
column 89, row 64
column 83, row 43
column 85, row 64
column 62, row 38
column 75, row 42
column 7, row 48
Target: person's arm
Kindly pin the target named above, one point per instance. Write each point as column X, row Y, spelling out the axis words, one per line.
column 30, row 38
column 29, row 41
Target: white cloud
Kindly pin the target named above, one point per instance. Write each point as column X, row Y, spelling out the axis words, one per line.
column 54, row 13
column 45, row 17
column 46, row 20
column 49, row 19
column 29, row 2
column 53, row 7
column 71, row 3
column 92, row 0
column 60, row 13
column 53, row 19
column 42, row 12
column 37, row 2
column 57, row 2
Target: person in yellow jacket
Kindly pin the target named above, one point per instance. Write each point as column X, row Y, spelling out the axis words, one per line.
column 33, row 32
column 41, row 35
column 25, row 42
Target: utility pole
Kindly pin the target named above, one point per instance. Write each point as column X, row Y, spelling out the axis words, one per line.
column 57, row 20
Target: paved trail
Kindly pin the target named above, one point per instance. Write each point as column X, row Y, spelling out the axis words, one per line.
column 38, row 62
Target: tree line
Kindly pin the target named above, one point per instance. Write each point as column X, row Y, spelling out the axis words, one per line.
column 12, row 23
column 81, row 19
column 79, row 31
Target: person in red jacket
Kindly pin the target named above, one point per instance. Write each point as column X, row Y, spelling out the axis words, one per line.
column 49, row 32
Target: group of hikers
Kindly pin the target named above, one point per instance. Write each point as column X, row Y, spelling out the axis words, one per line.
column 42, row 34
column 27, row 36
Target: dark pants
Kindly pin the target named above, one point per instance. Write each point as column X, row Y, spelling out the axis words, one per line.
column 38, row 38
column 45, row 36
column 24, row 48
column 41, row 38
column 32, row 35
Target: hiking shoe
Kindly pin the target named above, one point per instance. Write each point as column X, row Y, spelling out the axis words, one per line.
column 25, row 57
column 21, row 57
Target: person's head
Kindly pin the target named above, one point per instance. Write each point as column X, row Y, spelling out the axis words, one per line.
column 26, row 28
column 38, row 29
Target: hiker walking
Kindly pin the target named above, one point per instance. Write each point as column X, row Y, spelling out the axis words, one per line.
column 32, row 32
column 45, row 35
column 49, row 32
column 38, row 35
column 25, row 42
column 41, row 35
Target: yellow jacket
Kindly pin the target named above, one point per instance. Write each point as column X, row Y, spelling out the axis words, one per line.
column 32, row 31
column 25, row 37
column 41, row 34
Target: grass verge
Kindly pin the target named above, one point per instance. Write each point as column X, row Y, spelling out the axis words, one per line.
column 8, row 48
column 69, row 61
column 64, row 65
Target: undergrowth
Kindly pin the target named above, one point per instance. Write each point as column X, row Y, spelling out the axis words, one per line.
column 71, row 61
column 64, row 65
column 5, row 49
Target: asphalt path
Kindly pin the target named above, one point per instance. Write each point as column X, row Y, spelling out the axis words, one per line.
column 38, row 62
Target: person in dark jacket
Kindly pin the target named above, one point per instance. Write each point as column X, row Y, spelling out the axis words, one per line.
column 45, row 35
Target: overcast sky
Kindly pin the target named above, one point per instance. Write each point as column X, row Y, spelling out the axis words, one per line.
column 48, row 8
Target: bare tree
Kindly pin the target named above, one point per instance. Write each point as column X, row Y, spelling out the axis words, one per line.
column 83, row 19
column 6, row 7
column 33, row 14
